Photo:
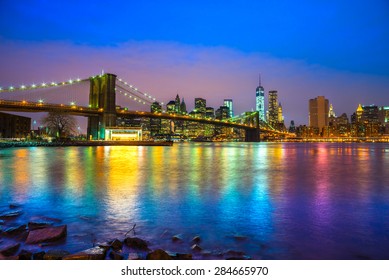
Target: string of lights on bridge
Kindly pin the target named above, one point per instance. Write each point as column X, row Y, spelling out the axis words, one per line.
column 41, row 85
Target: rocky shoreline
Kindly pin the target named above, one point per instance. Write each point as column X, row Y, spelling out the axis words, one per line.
column 16, row 241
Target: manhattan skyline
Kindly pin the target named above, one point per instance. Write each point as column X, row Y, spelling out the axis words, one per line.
column 210, row 50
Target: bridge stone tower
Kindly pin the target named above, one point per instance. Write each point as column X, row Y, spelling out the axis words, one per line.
column 102, row 96
column 252, row 134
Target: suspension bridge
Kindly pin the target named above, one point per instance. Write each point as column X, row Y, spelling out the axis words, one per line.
column 101, row 107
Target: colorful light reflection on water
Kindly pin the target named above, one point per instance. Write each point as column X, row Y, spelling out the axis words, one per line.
column 289, row 201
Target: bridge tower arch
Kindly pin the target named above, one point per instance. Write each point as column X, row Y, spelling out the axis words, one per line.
column 102, row 96
column 252, row 134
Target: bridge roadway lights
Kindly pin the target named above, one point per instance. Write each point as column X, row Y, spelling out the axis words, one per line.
column 252, row 135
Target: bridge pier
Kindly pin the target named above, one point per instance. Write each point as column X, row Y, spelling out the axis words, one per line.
column 102, row 96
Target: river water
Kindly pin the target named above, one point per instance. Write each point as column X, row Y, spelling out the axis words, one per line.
column 267, row 200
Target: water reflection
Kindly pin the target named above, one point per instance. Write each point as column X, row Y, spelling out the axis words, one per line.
column 288, row 200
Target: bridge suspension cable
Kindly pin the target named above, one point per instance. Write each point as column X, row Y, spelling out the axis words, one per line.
column 134, row 93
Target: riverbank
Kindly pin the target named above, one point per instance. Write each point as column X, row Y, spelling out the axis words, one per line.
column 43, row 238
column 11, row 144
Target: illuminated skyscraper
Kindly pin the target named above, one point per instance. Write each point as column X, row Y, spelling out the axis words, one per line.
column 318, row 112
column 228, row 103
column 200, row 106
column 273, row 108
column 260, row 100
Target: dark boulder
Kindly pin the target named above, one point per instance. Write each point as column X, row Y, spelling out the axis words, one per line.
column 10, row 214
column 133, row 256
column 55, row 254
column 196, row 239
column 15, row 230
column 158, row 255
column 48, row 234
column 9, row 248
column 196, row 248
column 116, row 244
column 116, row 255
column 32, row 225
column 25, row 255
column 136, row 243
column 38, row 255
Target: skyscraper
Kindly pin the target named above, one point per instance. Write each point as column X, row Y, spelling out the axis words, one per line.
column 273, row 108
column 200, row 106
column 260, row 100
column 228, row 103
column 177, row 104
column 318, row 112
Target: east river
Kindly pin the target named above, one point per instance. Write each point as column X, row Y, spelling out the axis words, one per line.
column 266, row 200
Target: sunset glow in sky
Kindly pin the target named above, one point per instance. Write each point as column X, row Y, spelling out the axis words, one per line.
column 209, row 49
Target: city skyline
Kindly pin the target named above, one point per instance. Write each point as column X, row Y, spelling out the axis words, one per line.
column 197, row 62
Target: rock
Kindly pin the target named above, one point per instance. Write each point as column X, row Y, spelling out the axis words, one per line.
column 55, row 254
column 10, row 214
column 196, row 248
column 136, row 243
column 45, row 219
column 104, row 245
column 240, row 237
column 133, row 256
column 177, row 238
column 14, row 206
column 9, row 248
column 25, row 255
column 48, row 234
column 196, row 239
column 158, row 255
column 38, row 255
column 15, row 230
column 95, row 253
column 116, row 244
column 180, row 256
column 32, row 225
column 116, row 256
column 2, row 222
column 234, row 253
column 2, row 257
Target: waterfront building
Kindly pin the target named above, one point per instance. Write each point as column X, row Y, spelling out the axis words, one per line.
column 273, row 108
column 228, row 103
column 359, row 113
column 318, row 112
column 155, row 124
column 260, row 100
column 183, row 107
column 222, row 113
column 171, row 107
column 331, row 113
column 200, row 106
column 210, row 112
column 14, row 126
column 177, row 105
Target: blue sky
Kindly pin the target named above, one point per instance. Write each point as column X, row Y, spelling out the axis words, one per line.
column 331, row 42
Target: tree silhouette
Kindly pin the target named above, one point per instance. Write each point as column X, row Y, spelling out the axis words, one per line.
column 60, row 125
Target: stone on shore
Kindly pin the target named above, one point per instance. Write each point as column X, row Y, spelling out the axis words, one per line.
column 180, row 256
column 38, row 255
column 116, row 255
column 55, row 254
column 25, row 255
column 158, row 255
column 177, row 238
column 9, row 248
column 2, row 222
column 10, row 214
column 95, row 253
column 15, row 230
column 136, row 243
column 32, row 225
column 116, row 244
column 134, row 256
column 196, row 248
column 48, row 234
column 196, row 239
